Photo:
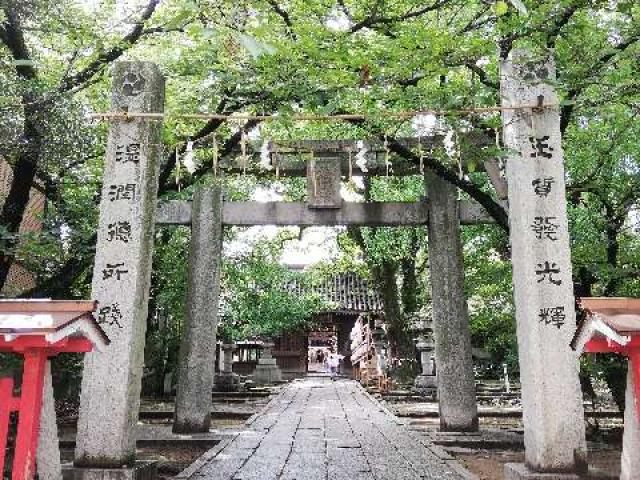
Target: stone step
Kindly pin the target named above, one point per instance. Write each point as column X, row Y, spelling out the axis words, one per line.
column 67, row 444
column 248, row 395
column 481, row 396
column 494, row 413
column 224, row 396
column 215, row 415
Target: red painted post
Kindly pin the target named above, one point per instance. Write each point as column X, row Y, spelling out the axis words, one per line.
column 6, row 403
column 24, row 460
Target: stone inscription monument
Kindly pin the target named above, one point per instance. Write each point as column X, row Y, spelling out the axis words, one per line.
column 543, row 288
column 323, row 182
column 111, row 382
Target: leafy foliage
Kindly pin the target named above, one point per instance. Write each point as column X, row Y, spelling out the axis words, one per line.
column 260, row 299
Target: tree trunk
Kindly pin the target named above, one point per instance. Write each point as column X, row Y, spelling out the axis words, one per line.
column 399, row 340
column 24, row 173
column 615, row 366
column 613, row 248
column 410, row 278
column 409, row 286
column 615, row 374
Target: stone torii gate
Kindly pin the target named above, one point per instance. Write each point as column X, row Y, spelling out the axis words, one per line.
column 441, row 212
column 554, row 429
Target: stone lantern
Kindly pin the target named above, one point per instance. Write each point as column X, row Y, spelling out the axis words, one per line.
column 426, row 382
column 379, row 341
column 267, row 370
column 226, row 380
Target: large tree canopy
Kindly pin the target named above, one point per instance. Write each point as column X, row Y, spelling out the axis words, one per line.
column 269, row 56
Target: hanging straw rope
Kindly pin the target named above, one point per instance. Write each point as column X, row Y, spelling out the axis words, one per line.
column 214, row 154
column 313, row 117
column 178, row 168
column 387, row 152
column 421, row 155
column 243, row 151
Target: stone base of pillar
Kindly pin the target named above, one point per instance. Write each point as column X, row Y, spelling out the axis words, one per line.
column 426, row 385
column 519, row 471
column 141, row 470
column 267, row 371
column 227, row 382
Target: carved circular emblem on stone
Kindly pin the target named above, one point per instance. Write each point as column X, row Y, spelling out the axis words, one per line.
column 533, row 71
column 133, row 84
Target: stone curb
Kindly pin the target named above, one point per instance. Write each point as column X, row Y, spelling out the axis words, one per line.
column 224, row 443
column 457, row 467
column 206, row 457
column 251, row 420
column 382, row 407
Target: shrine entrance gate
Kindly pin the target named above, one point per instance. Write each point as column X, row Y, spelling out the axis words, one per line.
column 552, row 404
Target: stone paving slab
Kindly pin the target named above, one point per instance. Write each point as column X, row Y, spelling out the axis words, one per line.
column 318, row 429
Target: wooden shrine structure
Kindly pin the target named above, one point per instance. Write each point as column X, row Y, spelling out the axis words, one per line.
column 348, row 296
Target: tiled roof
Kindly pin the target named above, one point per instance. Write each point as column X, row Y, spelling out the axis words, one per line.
column 346, row 292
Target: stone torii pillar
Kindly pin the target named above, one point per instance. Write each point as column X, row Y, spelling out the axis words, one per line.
column 554, row 434
column 196, row 370
column 111, row 381
column 456, row 382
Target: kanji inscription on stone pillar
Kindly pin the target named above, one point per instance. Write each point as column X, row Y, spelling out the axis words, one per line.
column 323, row 182
column 111, row 382
column 543, row 288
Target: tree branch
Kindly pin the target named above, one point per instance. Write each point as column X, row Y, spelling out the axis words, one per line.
column 482, row 75
column 108, row 56
column 374, row 19
column 567, row 110
column 553, row 30
column 476, row 23
column 161, row 29
column 210, row 127
column 493, row 208
column 13, row 38
column 284, row 15
column 226, row 149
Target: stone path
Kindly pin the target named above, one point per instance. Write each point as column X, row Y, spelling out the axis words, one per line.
column 318, row 429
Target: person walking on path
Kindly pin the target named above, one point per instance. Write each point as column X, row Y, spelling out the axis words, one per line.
column 334, row 363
